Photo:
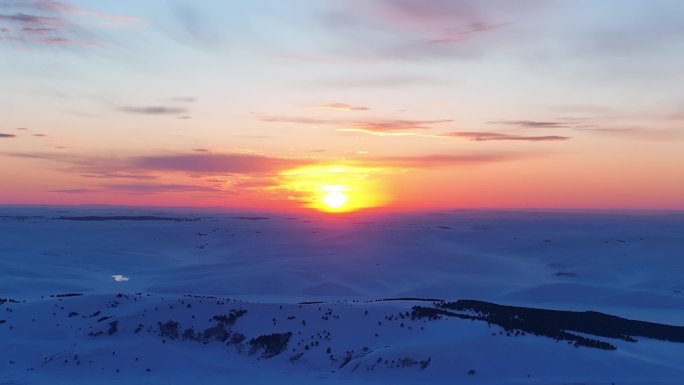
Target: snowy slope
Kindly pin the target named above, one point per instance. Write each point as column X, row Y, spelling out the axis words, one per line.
column 176, row 271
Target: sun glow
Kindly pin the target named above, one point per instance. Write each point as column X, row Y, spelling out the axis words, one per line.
column 335, row 199
column 334, row 188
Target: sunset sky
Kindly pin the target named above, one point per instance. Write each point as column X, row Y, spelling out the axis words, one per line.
column 401, row 104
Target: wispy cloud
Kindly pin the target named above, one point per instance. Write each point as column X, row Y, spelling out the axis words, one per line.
column 7, row 136
column 47, row 22
column 197, row 28
column 153, row 110
column 157, row 188
column 635, row 133
column 445, row 160
column 217, row 174
column 296, row 119
column 72, row 191
column 409, row 29
column 210, row 163
column 140, row 167
column 253, row 183
column 615, row 125
column 393, row 125
column 341, row 107
column 33, row 22
column 534, row 123
column 119, row 175
column 608, row 130
column 382, row 81
column 182, row 99
column 492, row 136
column 379, row 126
column 454, row 36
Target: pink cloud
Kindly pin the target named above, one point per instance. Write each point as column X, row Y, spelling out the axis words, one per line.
column 409, row 29
column 67, row 41
column 61, row 7
column 393, row 125
column 461, row 35
column 52, row 23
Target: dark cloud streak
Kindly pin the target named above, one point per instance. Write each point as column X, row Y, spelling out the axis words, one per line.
column 71, row 191
column 208, row 163
column 157, row 188
column 534, row 123
column 153, row 110
column 493, row 136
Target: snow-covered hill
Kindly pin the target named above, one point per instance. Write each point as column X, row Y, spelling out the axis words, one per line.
column 144, row 296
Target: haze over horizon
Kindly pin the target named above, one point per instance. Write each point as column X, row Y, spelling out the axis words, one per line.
column 343, row 106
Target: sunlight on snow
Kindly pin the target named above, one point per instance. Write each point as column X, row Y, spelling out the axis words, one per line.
column 120, row 278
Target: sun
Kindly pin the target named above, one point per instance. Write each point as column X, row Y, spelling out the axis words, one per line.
column 335, row 188
column 335, row 199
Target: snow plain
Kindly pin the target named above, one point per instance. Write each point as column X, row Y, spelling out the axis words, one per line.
column 122, row 295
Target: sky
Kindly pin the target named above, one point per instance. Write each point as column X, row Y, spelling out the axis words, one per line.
column 291, row 105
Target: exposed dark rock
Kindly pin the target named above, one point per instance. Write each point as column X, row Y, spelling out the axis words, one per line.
column 218, row 333
column 113, row 327
column 232, row 316
column 271, row 344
